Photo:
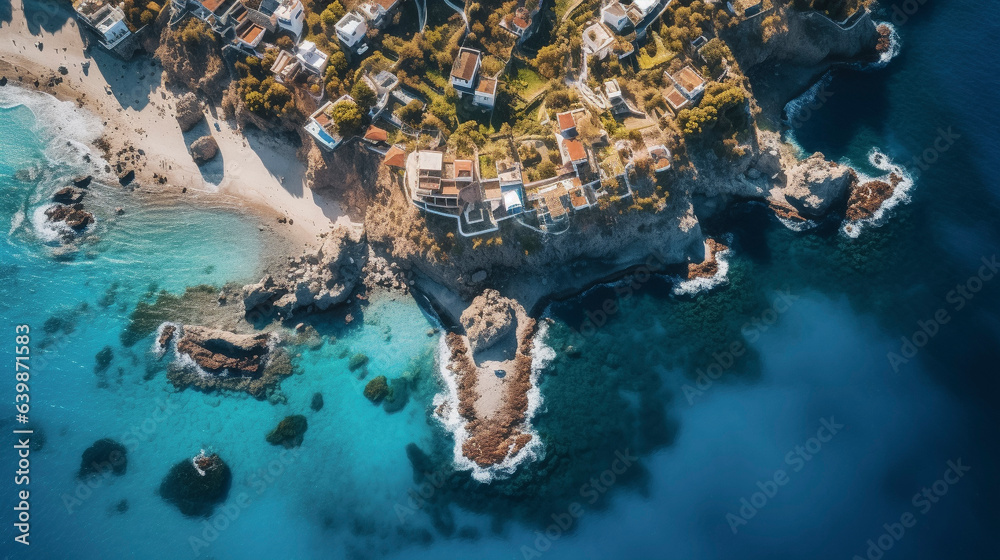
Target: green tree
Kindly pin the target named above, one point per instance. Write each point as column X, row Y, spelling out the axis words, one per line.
column 363, row 95
column 412, row 113
column 347, row 116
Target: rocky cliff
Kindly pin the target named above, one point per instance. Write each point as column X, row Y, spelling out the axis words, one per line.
column 315, row 281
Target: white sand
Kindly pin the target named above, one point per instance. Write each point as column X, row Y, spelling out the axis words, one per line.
column 252, row 170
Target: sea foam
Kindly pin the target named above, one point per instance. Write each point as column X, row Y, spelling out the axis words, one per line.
column 685, row 287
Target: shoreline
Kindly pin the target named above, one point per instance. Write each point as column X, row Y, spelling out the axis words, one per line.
column 252, row 172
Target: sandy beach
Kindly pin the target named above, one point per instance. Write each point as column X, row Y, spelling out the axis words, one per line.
column 253, row 171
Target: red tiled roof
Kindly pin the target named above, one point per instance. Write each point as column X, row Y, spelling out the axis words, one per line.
column 566, row 121
column 465, row 65
column 463, row 168
column 212, row 5
column 386, row 4
column 487, row 85
column 575, row 150
column 251, row 33
column 395, row 157
column 376, row 134
column 688, row 79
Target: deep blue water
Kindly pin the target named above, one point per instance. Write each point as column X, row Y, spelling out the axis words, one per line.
column 803, row 334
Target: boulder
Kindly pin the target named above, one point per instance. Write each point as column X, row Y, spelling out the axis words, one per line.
column 815, row 184
column 204, row 149
column 126, row 178
column 317, row 402
column 316, row 281
column 197, row 485
column 83, row 181
column 189, row 111
column 289, row 431
column 105, row 456
column 489, row 318
column 68, row 195
column 866, row 198
column 73, row 216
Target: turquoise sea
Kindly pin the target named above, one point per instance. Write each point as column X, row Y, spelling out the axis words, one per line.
column 836, row 398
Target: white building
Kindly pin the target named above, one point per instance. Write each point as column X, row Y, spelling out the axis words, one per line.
column 613, row 91
column 290, row 16
column 646, row 7
column 598, row 40
column 351, row 29
column 486, row 92
column 106, row 20
column 614, row 16
column 311, row 58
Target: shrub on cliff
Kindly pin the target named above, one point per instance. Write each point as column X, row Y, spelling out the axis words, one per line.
column 190, row 56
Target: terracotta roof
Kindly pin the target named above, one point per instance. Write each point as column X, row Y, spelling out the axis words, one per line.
column 376, row 134
column 386, row 4
column 566, row 121
column 688, row 79
column 487, row 85
column 252, row 33
column 575, row 150
column 674, row 98
column 212, row 5
column 395, row 157
column 465, row 65
column 323, row 119
column 463, row 168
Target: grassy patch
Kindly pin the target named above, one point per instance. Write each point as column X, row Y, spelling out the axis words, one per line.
column 663, row 54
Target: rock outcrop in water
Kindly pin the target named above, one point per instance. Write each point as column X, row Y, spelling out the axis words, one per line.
column 710, row 266
column 289, row 432
column 68, row 195
column 314, row 282
column 222, row 352
column 213, row 359
column 105, row 456
column 197, row 485
column 377, row 389
column 73, row 216
column 493, row 383
column 866, row 198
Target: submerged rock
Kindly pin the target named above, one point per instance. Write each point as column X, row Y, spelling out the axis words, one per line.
column 317, row 402
column 357, row 361
column 377, row 389
column 197, row 485
column 289, row 431
column 106, row 455
column 399, row 395
column 103, row 359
